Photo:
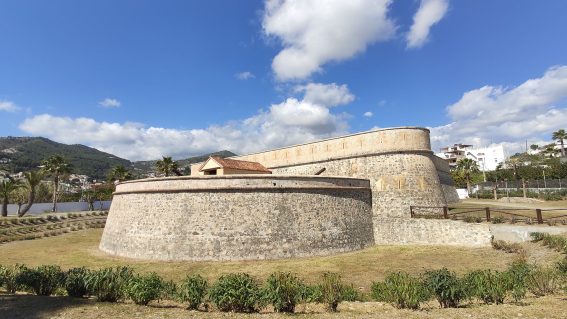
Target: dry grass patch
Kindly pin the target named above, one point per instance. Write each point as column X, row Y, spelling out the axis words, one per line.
column 359, row 268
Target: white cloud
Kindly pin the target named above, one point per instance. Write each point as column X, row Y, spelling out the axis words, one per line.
column 109, row 103
column 245, row 75
column 529, row 111
column 429, row 13
column 326, row 94
column 368, row 114
column 315, row 32
column 8, row 106
column 290, row 122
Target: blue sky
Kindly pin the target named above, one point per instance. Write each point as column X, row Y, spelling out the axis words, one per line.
column 141, row 79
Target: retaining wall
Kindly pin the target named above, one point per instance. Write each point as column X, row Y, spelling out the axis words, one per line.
column 418, row 231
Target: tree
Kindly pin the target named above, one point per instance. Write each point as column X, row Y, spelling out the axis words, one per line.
column 119, row 173
column 167, row 166
column 7, row 186
column 560, row 136
column 534, row 147
column 56, row 166
column 32, row 181
column 467, row 167
column 549, row 150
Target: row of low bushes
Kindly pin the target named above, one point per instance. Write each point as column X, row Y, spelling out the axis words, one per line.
column 488, row 286
column 23, row 221
column 240, row 292
column 237, row 292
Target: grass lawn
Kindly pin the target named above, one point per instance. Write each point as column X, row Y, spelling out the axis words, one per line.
column 360, row 268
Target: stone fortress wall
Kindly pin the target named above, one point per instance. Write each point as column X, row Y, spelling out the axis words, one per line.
column 398, row 162
column 292, row 212
column 402, row 171
column 238, row 217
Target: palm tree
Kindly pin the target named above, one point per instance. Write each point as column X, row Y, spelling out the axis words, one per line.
column 560, row 136
column 119, row 173
column 167, row 166
column 56, row 166
column 467, row 167
column 7, row 186
column 32, row 180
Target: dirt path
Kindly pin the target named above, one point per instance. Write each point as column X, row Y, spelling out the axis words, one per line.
column 36, row 307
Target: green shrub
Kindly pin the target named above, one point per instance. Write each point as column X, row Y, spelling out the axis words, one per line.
column 235, row 292
column 332, row 290
column 561, row 266
column 43, row 280
column 9, row 277
column 76, row 282
column 497, row 220
column 544, row 281
column 312, row 293
column 352, row 294
column 283, row 290
column 192, row 291
column 447, row 288
column 537, row 236
column 472, row 219
column 487, row 285
column 144, row 288
column 517, row 278
column 556, row 242
column 109, row 284
column 402, row 290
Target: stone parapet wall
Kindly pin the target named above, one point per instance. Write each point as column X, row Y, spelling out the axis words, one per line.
column 397, row 180
column 398, row 162
column 418, row 231
column 238, row 218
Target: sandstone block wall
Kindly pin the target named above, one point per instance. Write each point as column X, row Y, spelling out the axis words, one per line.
column 417, row 231
column 238, row 218
column 398, row 162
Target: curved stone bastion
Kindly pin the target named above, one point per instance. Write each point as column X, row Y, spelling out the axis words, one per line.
column 238, row 217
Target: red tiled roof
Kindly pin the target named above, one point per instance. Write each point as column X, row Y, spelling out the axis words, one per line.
column 237, row 164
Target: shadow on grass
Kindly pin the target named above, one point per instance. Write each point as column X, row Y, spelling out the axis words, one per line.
column 36, row 307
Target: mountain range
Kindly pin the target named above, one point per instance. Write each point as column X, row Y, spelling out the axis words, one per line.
column 18, row 154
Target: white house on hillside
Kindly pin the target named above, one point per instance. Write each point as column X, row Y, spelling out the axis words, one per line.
column 487, row 158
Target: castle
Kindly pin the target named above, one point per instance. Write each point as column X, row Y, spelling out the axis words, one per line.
column 361, row 195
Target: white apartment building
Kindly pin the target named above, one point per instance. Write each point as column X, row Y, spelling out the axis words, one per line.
column 487, row 158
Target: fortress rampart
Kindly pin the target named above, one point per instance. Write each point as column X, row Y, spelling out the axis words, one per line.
column 238, row 217
column 398, row 162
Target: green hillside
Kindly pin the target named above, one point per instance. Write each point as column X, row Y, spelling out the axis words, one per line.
column 19, row 154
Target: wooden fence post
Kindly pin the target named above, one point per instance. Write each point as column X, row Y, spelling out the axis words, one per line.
column 445, row 212
column 411, row 211
column 539, row 216
column 487, row 209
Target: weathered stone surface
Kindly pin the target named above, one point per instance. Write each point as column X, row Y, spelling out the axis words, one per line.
column 417, row 231
column 238, row 217
column 521, row 233
column 398, row 162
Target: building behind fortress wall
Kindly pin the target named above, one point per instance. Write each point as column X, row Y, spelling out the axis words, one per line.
column 399, row 163
column 402, row 171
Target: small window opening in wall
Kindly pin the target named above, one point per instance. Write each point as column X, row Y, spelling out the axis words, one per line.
column 213, row 172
